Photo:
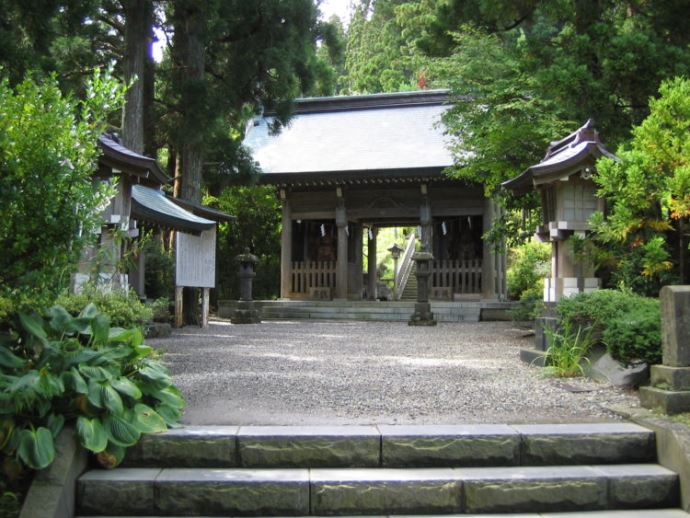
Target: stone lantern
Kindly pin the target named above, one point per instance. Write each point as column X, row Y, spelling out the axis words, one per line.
column 422, row 315
column 246, row 312
column 395, row 251
column 564, row 182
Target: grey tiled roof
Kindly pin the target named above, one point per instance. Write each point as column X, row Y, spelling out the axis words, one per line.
column 152, row 205
column 364, row 138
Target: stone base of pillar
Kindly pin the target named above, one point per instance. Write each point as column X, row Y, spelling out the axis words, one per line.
column 246, row 313
column 422, row 315
column 669, row 389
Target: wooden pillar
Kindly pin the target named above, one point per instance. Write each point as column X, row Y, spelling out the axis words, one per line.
column 179, row 309
column 488, row 270
column 371, row 264
column 205, row 299
column 137, row 274
column 341, row 273
column 425, row 221
column 359, row 269
column 286, row 249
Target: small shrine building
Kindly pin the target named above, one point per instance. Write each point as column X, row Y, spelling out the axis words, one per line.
column 347, row 166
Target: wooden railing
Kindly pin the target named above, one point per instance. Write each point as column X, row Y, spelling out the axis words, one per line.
column 312, row 274
column 406, row 265
column 461, row 276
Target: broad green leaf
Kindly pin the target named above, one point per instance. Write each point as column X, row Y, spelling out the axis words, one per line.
column 147, row 420
column 55, row 423
column 76, row 381
column 60, row 320
column 154, row 373
column 89, row 312
column 33, row 324
column 168, row 397
column 127, row 387
column 111, row 399
column 95, row 395
column 6, row 429
column 36, row 448
column 91, row 433
column 121, row 432
column 101, row 329
column 169, row 414
column 10, row 360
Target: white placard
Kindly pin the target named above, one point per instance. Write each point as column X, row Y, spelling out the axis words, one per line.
column 195, row 259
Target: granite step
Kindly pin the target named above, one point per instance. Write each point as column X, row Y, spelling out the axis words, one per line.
column 394, row 446
column 304, row 492
column 629, row 513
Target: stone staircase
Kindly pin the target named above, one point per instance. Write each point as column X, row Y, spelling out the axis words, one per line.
column 399, row 311
column 584, row 470
column 410, row 290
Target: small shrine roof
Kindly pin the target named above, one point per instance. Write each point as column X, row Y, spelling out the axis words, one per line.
column 563, row 158
column 117, row 156
column 366, row 136
column 153, row 205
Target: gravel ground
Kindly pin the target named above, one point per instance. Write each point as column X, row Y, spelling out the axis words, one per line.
column 372, row 372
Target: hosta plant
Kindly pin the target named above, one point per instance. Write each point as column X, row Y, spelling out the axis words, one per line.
column 57, row 369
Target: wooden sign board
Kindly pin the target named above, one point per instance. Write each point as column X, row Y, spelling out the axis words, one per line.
column 195, row 259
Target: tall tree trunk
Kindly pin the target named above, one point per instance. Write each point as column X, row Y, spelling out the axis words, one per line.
column 137, row 37
column 191, row 56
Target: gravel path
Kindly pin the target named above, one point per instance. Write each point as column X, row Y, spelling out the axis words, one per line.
column 372, row 372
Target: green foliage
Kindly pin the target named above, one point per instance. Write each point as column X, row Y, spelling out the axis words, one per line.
column 160, row 309
column 648, row 190
column 528, row 265
column 636, row 334
column 566, row 351
column 10, row 501
column 160, row 270
column 57, row 369
column 258, row 227
column 628, row 324
column 50, row 207
column 124, row 309
column 531, row 303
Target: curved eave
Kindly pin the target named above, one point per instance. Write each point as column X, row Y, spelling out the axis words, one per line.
column 142, row 212
column 362, row 176
column 129, row 162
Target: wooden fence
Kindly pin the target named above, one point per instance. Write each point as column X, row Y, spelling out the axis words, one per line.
column 462, row 276
column 312, row 274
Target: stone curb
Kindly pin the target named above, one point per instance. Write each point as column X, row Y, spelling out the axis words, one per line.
column 53, row 491
column 672, row 444
column 396, row 446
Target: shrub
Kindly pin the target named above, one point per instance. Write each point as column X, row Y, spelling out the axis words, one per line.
column 160, row 309
column 50, row 206
column 123, row 308
column 529, row 264
column 636, row 334
column 59, row 369
column 160, row 268
column 608, row 312
column 530, row 305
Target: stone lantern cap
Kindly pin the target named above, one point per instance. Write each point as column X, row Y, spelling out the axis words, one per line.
column 422, row 255
column 396, row 250
column 247, row 257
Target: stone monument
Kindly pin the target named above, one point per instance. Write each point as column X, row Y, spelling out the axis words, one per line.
column 670, row 381
column 422, row 315
column 246, row 311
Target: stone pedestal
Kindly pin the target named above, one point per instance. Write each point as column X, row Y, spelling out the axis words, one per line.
column 422, row 315
column 246, row 311
column 670, row 382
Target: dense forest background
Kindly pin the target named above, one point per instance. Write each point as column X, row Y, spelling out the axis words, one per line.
column 521, row 73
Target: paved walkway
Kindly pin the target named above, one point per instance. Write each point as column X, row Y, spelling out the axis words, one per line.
column 371, row 372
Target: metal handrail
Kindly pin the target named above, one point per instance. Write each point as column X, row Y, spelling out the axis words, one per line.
column 406, row 265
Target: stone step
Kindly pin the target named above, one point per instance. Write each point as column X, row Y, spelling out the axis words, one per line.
column 628, row 513
column 395, row 446
column 297, row 492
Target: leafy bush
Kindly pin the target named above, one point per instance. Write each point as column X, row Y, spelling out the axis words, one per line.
column 608, row 312
column 636, row 334
column 160, row 308
column 530, row 305
column 529, row 264
column 50, row 207
column 123, row 308
column 160, row 268
column 59, row 369
column 566, row 351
